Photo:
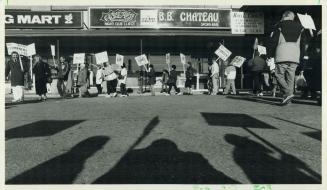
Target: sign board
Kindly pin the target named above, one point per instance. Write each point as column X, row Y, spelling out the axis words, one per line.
column 53, row 50
column 78, row 58
column 119, row 60
column 159, row 18
column 183, row 58
column 238, row 61
column 247, row 22
column 262, row 50
column 223, row 53
column 306, row 21
column 168, row 58
column 101, row 57
column 43, row 19
column 19, row 48
column 141, row 60
column 30, row 49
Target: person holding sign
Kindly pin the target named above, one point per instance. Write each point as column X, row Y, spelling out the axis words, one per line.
column 215, row 76
column 17, row 69
column 82, row 80
column 230, row 73
column 123, row 80
column 287, row 43
column 42, row 72
column 110, row 76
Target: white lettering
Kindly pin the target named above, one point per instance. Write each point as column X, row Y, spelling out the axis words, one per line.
column 46, row 19
column 56, row 17
column 36, row 20
column 182, row 16
column 23, row 19
column 9, row 19
column 161, row 16
column 170, row 16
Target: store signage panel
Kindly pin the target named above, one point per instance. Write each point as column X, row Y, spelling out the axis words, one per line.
column 43, row 19
column 159, row 18
column 247, row 23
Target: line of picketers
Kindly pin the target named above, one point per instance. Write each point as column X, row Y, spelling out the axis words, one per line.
column 290, row 49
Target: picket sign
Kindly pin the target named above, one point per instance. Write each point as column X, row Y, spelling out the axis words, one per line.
column 223, row 52
column 53, row 51
column 238, row 61
column 183, row 61
column 19, row 48
column 168, row 61
column 307, row 21
column 262, row 50
column 78, row 58
column 141, row 60
column 101, row 57
column 30, row 50
column 119, row 60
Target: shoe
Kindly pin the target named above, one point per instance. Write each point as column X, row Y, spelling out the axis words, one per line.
column 108, row 96
column 287, row 99
column 40, row 98
column 123, row 95
column 115, row 94
column 166, row 94
column 178, row 94
column 16, row 101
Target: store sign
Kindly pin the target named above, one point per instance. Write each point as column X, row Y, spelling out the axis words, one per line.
column 159, row 18
column 43, row 19
column 247, row 23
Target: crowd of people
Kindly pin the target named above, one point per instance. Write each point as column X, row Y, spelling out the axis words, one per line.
column 290, row 48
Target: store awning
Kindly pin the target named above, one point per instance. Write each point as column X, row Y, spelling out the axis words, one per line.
column 114, row 32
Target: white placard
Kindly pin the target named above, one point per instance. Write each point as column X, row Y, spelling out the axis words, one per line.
column 262, row 50
column 141, row 60
column 101, row 57
column 306, row 21
column 53, row 50
column 183, row 58
column 247, row 22
column 238, row 61
column 19, row 48
column 30, row 49
column 168, row 58
column 119, row 59
column 223, row 53
column 78, row 58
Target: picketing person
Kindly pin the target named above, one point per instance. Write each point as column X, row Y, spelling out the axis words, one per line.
column 152, row 79
column 172, row 81
column 230, row 73
column 17, row 68
column 287, row 44
column 63, row 71
column 41, row 72
column 99, row 79
column 111, row 77
column 164, row 81
column 215, row 76
column 82, row 80
column 123, row 80
column 189, row 78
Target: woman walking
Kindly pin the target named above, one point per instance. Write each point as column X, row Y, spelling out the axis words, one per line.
column 42, row 72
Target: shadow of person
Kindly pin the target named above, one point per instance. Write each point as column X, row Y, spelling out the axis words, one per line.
column 62, row 169
column 262, row 168
column 163, row 163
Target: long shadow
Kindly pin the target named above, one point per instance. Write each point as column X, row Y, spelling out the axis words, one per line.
column 276, row 102
column 163, row 163
column 314, row 135
column 295, row 123
column 62, row 169
column 261, row 168
column 234, row 120
column 40, row 128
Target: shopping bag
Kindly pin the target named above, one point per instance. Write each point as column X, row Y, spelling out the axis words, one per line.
column 301, row 83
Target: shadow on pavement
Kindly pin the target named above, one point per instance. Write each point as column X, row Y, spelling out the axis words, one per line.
column 40, row 128
column 234, row 120
column 272, row 101
column 163, row 163
column 262, row 168
column 32, row 101
column 62, row 169
column 295, row 123
column 315, row 135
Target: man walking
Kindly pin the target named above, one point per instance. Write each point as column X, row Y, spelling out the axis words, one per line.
column 287, row 43
column 215, row 77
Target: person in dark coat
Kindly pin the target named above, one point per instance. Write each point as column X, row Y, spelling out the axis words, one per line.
column 258, row 67
column 189, row 78
column 152, row 79
column 42, row 72
column 82, row 80
column 172, row 81
column 17, row 70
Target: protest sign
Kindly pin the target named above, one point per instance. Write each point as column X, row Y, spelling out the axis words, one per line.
column 223, row 53
column 238, row 61
column 262, row 50
column 19, row 48
column 78, row 58
column 101, row 57
column 183, row 58
column 53, row 50
column 306, row 21
column 141, row 60
column 30, row 49
column 168, row 58
column 119, row 59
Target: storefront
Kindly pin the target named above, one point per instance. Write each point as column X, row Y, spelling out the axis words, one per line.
column 131, row 31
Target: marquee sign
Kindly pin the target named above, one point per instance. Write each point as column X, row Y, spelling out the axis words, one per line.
column 159, row 18
column 42, row 19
